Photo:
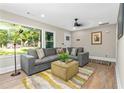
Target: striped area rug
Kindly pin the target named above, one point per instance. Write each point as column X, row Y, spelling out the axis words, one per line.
column 46, row 80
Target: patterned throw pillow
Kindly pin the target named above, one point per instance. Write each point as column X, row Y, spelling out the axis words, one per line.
column 74, row 51
column 59, row 50
column 40, row 53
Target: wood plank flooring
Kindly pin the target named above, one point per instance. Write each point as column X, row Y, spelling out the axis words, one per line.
column 103, row 78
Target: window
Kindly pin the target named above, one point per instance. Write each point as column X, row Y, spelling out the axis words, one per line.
column 29, row 38
column 49, row 39
column 67, row 38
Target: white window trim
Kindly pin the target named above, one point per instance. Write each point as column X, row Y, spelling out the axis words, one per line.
column 43, row 37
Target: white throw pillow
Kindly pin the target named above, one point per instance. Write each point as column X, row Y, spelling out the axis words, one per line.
column 40, row 53
column 74, row 51
column 67, row 51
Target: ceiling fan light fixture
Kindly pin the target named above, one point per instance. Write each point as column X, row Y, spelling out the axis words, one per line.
column 76, row 23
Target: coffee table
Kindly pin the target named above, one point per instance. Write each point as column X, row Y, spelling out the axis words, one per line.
column 63, row 70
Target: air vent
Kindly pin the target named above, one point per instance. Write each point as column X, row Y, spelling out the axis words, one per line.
column 105, row 23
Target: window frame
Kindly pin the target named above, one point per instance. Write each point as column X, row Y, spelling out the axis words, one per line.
column 44, row 38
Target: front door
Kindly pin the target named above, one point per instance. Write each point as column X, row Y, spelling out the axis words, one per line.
column 67, row 39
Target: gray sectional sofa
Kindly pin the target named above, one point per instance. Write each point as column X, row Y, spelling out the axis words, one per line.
column 31, row 64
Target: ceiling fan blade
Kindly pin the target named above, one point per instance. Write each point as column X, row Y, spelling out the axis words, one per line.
column 80, row 24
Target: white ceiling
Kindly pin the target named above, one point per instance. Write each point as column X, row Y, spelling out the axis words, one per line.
column 62, row 15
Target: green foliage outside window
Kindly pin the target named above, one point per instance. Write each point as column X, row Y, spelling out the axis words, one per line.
column 30, row 38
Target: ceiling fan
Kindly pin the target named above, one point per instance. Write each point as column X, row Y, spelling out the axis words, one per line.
column 76, row 24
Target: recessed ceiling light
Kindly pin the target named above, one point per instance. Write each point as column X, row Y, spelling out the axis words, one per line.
column 100, row 22
column 42, row 15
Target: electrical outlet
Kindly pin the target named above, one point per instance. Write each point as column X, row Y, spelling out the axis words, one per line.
column 106, row 55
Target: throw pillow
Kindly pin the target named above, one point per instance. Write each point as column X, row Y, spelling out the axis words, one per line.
column 74, row 51
column 67, row 51
column 59, row 50
column 79, row 50
column 40, row 53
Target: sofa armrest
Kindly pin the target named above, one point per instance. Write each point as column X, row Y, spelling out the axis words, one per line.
column 27, row 63
column 83, row 58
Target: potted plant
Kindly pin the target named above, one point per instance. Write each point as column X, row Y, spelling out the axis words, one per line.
column 64, row 57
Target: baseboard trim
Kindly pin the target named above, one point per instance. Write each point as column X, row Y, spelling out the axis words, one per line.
column 8, row 69
column 103, row 58
column 118, row 77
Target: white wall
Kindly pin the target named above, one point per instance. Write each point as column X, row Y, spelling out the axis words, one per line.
column 7, row 63
column 108, row 47
column 120, row 61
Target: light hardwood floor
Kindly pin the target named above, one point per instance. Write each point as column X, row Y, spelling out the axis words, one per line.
column 103, row 78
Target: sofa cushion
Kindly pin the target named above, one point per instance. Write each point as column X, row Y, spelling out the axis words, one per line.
column 32, row 52
column 40, row 53
column 73, row 57
column 64, row 49
column 74, row 51
column 46, row 59
column 80, row 49
column 50, row 51
column 69, row 49
column 59, row 50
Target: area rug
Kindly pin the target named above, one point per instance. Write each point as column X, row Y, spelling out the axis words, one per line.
column 46, row 80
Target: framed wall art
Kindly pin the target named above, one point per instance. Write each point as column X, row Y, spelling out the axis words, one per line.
column 96, row 38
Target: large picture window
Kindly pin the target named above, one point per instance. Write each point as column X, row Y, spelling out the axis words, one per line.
column 29, row 38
